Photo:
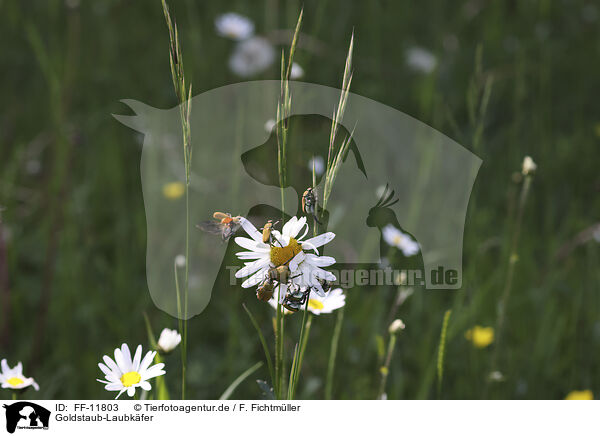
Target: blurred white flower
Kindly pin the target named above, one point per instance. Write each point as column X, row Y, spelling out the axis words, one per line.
column 319, row 165
column 297, row 71
column 333, row 300
column 251, row 57
column 529, row 166
column 496, row 376
column 396, row 326
column 13, row 378
column 421, row 60
column 597, row 234
column 124, row 374
column 180, row 261
column 394, row 237
column 168, row 340
column 234, row 26
column 269, row 125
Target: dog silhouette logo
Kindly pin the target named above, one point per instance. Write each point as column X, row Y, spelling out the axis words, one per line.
column 429, row 174
column 26, row 415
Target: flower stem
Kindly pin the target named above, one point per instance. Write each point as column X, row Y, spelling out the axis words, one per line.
column 14, row 396
column 332, row 353
column 385, row 369
column 278, row 348
column 513, row 257
column 299, row 353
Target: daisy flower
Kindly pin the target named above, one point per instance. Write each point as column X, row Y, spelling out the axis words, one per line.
column 333, row 300
column 421, row 60
column 394, row 237
column 297, row 71
column 289, row 248
column 13, row 378
column 234, row 26
column 124, row 374
column 251, row 57
column 168, row 340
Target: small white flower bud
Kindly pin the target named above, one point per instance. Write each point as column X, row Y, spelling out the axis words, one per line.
column 396, row 326
column 168, row 340
column 180, row 260
column 529, row 166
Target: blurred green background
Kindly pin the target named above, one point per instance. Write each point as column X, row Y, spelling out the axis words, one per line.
column 72, row 248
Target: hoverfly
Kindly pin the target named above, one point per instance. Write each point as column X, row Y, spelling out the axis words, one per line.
column 226, row 225
column 309, row 203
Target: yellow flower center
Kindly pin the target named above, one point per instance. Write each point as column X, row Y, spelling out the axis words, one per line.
column 398, row 240
column 173, row 190
column 15, row 381
column 315, row 304
column 130, row 378
column 282, row 255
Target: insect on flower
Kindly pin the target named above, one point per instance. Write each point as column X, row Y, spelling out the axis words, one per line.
column 226, row 225
column 265, row 291
column 309, row 203
column 266, row 232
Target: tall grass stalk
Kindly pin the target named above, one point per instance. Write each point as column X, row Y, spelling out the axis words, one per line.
column 335, row 339
column 284, row 110
column 335, row 155
column 513, row 258
column 306, row 320
column 441, row 352
column 334, row 160
column 395, row 328
column 184, row 97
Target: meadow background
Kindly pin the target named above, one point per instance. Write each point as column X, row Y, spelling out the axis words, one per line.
column 73, row 235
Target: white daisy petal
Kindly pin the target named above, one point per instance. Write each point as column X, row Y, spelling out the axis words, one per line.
column 147, row 360
column 135, row 366
column 296, row 260
column 289, row 227
column 252, row 267
column 250, row 255
column 131, row 391
column 254, row 280
column 126, row 357
column 111, row 364
column 252, row 245
column 250, row 229
column 145, row 386
column 104, row 369
column 321, row 261
column 320, row 240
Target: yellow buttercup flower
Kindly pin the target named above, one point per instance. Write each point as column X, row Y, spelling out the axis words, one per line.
column 173, row 190
column 481, row 337
column 580, row 395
